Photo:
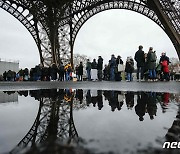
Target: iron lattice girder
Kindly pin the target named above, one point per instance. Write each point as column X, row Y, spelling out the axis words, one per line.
column 54, row 118
column 44, row 19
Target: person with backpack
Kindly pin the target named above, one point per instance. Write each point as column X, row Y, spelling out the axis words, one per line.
column 151, row 64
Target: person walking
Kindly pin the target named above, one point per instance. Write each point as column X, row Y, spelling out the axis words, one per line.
column 100, row 67
column 151, row 64
column 88, row 69
column 140, row 59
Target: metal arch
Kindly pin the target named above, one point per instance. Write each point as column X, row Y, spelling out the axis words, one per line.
column 80, row 19
column 27, row 21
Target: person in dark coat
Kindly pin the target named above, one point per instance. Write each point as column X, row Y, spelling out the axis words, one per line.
column 61, row 72
column 118, row 73
column 88, row 69
column 112, row 67
column 100, row 67
column 151, row 63
column 94, row 70
column 5, row 76
column 106, row 73
column 140, row 59
column 129, row 68
column 80, row 71
column 164, row 62
column 53, row 72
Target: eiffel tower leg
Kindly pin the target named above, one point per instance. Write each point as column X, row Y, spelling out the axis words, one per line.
column 169, row 28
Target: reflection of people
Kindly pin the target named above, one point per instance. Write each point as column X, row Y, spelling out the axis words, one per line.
column 129, row 99
column 94, row 70
column 120, row 100
column 151, row 105
column 94, row 97
column 100, row 100
column 79, row 95
column 112, row 101
column 140, row 108
column 68, row 95
column 88, row 97
column 165, row 100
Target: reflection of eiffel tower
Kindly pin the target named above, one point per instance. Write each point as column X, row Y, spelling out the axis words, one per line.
column 173, row 134
column 54, row 121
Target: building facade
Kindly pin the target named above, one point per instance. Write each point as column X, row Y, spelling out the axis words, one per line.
column 8, row 65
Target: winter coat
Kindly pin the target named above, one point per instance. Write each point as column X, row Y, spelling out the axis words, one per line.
column 129, row 68
column 100, row 64
column 94, row 65
column 119, row 61
column 151, row 60
column 80, row 70
column 139, row 58
column 165, row 67
column 88, row 66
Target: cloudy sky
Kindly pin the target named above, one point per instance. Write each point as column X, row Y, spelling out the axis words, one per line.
column 118, row 32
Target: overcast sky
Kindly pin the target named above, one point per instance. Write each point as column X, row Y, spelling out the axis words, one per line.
column 118, row 32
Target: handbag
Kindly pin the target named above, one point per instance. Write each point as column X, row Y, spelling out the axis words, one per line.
column 120, row 67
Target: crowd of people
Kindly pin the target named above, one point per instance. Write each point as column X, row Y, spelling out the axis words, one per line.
column 147, row 69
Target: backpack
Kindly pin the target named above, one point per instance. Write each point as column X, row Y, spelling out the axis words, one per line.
column 153, row 57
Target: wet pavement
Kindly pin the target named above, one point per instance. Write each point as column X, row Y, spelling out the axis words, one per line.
column 172, row 86
column 91, row 119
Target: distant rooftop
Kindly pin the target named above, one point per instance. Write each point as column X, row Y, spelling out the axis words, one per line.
column 9, row 60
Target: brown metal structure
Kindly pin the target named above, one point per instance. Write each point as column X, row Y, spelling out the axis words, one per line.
column 54, row 24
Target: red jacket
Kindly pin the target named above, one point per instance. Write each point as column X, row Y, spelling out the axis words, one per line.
column 165, row 66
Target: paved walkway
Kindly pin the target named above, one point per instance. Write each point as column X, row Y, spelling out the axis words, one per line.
column 172, row 86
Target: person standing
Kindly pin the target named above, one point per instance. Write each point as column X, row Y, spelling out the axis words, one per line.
column 129, row 68
column 164, row 61
column 94, row 70
column 112, row 67
column 140, row 59
column 88, row 69
column 61, row 72
column 80, row 71
column 151, row 64
column 119, row 64
column 100, row 67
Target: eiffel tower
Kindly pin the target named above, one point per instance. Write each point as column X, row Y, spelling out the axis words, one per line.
column 54, row 120
column 54, row 24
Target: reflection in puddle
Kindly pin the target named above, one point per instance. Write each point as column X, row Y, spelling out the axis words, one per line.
column 98, row 121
